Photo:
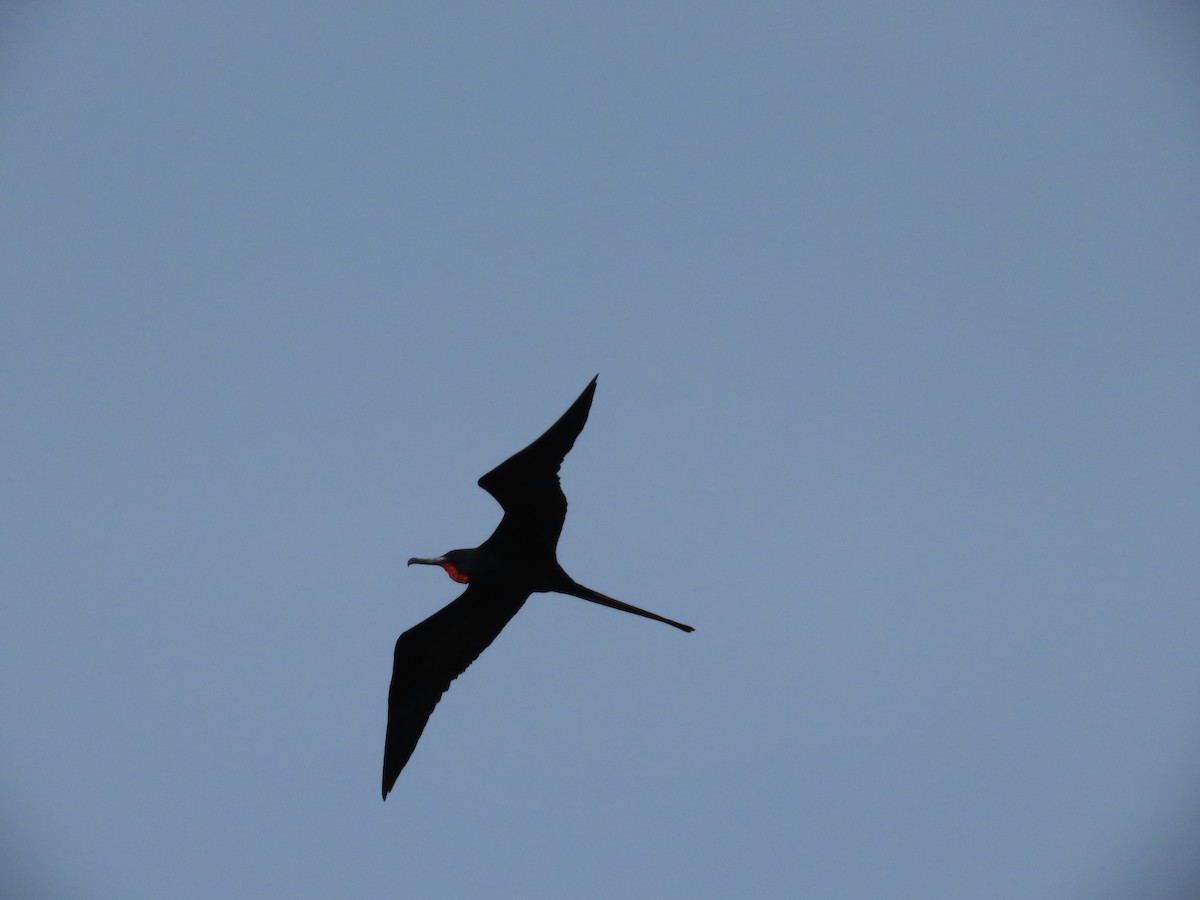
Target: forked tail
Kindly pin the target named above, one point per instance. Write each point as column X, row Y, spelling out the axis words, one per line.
column 575, row 589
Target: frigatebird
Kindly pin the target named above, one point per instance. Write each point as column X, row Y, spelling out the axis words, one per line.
column 517, row 560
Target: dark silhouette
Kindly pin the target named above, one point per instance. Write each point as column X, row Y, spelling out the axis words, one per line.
column 500, row 574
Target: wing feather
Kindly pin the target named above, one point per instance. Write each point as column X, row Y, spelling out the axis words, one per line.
column 526, row 484
column 428, row 657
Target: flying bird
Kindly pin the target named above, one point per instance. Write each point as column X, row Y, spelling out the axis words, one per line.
column 517, row 560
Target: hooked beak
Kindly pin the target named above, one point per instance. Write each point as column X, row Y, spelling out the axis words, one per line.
column 435, row 561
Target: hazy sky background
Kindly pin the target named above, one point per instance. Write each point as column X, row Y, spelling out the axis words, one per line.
column 895, row 310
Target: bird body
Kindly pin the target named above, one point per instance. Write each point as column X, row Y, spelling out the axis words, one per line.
column 517, row 560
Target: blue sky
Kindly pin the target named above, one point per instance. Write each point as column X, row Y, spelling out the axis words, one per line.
column 894, row 307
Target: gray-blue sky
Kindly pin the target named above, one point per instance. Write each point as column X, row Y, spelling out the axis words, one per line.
column 895, row 310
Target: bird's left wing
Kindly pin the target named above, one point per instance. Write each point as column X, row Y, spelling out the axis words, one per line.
column 431, row 655
column 526, row 484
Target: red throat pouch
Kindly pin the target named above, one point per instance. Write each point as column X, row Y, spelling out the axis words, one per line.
column 455, row 574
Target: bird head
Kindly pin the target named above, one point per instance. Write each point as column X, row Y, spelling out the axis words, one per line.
column 457, row 564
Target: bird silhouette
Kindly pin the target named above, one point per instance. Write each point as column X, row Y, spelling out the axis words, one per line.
column 517, row 560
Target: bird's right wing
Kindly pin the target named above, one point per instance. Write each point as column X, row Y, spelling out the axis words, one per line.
column 431, row 655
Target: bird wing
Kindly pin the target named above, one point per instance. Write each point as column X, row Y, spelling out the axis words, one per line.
column 526, row 484
column 432, row 654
